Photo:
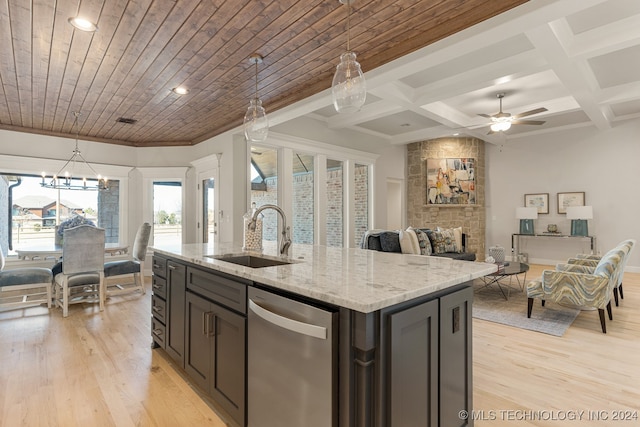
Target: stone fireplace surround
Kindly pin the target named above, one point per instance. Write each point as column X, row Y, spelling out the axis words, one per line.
column 472, row 218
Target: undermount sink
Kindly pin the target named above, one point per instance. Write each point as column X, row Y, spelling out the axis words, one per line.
column 252, row 261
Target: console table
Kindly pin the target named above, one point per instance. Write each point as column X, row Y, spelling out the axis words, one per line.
column 515, row 240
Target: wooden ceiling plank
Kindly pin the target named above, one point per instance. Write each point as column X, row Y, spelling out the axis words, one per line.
column 10, row 105
column 20, row 24
column 43, row 13
column 208, row 35
column 178, row 31
column 225, row 43
column 148, row 17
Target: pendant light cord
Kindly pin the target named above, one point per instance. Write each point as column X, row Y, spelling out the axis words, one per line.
column 348, row 25
column 256, row 62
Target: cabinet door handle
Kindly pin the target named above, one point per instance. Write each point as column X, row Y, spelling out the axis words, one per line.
column 172, row 267
column 205, row 324
column 158, row 332
column 156, row 308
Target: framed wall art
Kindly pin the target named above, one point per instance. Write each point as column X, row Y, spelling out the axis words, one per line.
column 565, row 200
column 538, row 200
column 451, row 181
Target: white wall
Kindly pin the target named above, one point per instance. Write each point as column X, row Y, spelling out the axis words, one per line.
column 603, row 164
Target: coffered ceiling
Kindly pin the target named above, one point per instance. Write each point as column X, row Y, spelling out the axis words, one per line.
column 432, row 66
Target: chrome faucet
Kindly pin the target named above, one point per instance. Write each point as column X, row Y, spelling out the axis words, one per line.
column 285, row 242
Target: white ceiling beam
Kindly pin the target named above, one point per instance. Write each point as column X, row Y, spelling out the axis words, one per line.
column 367, row 113
column 574, row 76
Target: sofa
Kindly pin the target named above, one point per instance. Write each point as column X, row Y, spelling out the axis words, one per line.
column 449, row 243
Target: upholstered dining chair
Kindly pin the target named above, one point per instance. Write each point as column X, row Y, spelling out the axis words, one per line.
column 130, row 267
column 25, row 285
column 578, row 289
column 82, row 275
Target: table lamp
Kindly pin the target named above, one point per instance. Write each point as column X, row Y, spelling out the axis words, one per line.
column 579, row 216
column 526, row 217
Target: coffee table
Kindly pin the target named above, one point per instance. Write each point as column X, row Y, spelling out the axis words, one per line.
column 507, row 270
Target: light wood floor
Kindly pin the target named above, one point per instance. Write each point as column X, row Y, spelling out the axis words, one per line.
column 97, row 369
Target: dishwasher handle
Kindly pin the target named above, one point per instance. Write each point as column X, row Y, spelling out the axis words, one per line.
column 286, row 323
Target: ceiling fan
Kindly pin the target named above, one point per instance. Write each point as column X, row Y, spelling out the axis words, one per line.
column 502, row 121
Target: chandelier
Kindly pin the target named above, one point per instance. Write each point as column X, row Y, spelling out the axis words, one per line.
column 349, row 89
column 65, row 179
column 256, row 124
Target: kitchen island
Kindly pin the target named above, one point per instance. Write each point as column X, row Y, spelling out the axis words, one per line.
column 402, row 336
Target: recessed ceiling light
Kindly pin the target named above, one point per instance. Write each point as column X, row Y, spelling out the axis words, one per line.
column 83, row 24
column 180, row 90
column 456, row 134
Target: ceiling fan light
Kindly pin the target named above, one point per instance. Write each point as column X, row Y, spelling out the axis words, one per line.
column 256, row 124
column 349, row 87
column 501, row 126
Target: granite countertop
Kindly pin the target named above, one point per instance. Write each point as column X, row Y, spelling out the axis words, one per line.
column 357, row 279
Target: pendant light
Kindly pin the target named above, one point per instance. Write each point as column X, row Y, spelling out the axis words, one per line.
column 256, row 125
column 349, row 88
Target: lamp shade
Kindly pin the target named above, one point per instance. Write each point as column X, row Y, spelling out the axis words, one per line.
column 527, row 213
column 580, row 212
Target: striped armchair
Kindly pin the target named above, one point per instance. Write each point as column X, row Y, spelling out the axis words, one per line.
column 591, row 261
column 580, row 289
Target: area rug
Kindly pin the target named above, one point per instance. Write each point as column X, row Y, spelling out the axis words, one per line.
column 489, row 304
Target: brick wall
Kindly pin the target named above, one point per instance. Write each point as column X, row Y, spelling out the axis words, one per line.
column 471, row 218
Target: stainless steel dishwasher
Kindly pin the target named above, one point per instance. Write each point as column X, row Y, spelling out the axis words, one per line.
column 292, row 363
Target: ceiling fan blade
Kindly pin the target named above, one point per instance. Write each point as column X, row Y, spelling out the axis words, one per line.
column 528, row 122
column 485, row 115
column 529, row 113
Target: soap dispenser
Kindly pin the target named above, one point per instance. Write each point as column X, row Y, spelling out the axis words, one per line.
column 252, row 238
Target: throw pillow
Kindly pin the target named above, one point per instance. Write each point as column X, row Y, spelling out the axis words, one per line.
column 374, row 243
column 442, row 241
column 409, row 241
column 414, row 240
column 390, row 241
column 457, row 233
column 424, row 243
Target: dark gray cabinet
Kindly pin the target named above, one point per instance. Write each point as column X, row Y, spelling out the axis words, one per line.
column 413, row 365
column 216, row 330
column 430, row 362
column 176, row 299
column 216, row 353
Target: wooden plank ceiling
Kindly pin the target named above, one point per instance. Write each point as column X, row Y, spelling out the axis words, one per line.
column 144, row 48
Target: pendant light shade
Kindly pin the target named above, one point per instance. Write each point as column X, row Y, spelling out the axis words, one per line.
column 349, row 88
column 256, row 124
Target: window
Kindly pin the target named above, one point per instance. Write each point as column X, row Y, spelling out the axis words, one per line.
column 303, row 199
column 264, row 187
column 361, row 187
column 209, row 213
column 34, row 211
column 334, row 209
column 167, row 212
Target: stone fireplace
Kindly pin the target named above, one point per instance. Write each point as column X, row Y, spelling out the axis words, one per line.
column 472, row 218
